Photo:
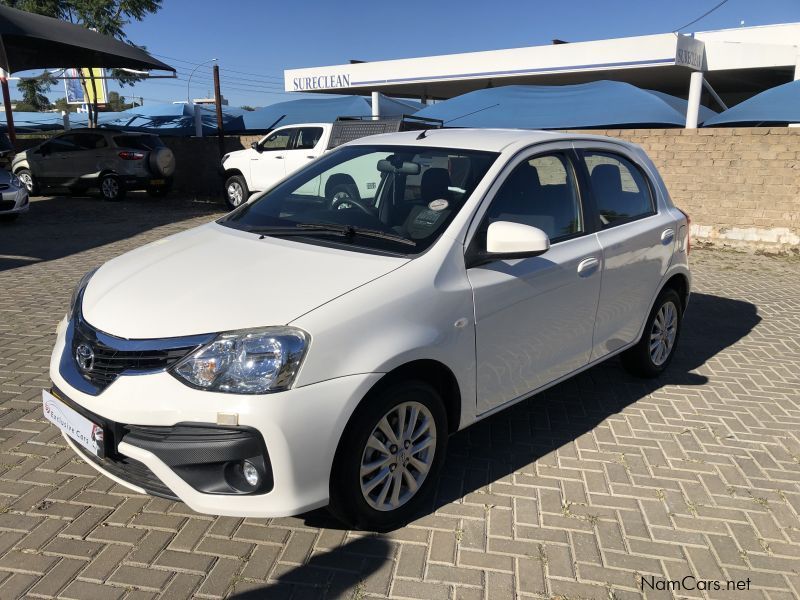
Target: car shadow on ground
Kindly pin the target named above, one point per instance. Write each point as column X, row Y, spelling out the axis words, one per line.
column 512, row 440
column 60, row 226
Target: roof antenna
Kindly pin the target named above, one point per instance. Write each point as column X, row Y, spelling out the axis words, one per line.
column 423, row 135
column 468, row 114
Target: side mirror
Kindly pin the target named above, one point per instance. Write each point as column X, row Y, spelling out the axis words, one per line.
column 506, row 240
column 255, row 146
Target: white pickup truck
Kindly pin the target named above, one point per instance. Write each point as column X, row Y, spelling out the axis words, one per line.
column 287, row 149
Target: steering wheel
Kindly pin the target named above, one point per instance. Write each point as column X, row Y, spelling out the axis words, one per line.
column 341, row 202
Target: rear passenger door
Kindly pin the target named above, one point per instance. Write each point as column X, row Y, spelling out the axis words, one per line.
column 637, row 239
column 535, row 316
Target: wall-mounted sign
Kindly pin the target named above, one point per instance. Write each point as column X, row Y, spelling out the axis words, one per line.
column 321, row 82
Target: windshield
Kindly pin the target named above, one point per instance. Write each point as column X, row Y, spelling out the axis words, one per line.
column 388, row 198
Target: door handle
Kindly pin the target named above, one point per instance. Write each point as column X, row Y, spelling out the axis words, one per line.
column 588, row 266
column 667, row 235
column 312, row 157
column 279, row 157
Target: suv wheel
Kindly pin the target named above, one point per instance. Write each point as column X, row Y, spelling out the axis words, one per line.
column 26, row 178
column 236, row 192
column 654, row 351
column 390, row 456
column 111, row 188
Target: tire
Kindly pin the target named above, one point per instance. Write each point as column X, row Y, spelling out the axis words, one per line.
column 341, row 192
column 159, row 191
column 641, row 360
column 236, row 191
column 111, row 188
column 9, row 218
column 26, row 178
column 352, row 500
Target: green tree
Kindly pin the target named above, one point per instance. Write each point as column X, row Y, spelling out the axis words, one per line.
column 61, row 105
column 248, row 108
column 34, row 90
column 108, row 17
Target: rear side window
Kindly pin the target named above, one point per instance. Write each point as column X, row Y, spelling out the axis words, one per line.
column 307, row 138
column 620, row 189
column 138, row 142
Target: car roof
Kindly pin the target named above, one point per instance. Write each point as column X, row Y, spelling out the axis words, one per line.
column 492, row 140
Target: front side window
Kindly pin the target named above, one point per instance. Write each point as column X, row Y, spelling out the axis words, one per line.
column 63, row 143
column 307, row 138
column 540, row 192
column 396, row 199
column 278, row 140
column 90, row 141
column 620, row 189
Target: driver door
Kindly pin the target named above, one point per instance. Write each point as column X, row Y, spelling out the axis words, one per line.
column 535, row 316
column 268, row 165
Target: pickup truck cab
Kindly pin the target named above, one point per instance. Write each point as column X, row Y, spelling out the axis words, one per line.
column 287, row 149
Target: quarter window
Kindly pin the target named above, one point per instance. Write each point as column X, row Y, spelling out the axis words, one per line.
column 540, row 192
column 620, row 189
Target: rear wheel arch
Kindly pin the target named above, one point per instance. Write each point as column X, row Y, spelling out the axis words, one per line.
column 680, row 283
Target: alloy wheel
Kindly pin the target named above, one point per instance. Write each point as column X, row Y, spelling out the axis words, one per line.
column 663, row 333
column 27, row 181
column 110, row 187
column 398, row 456
column 235, row 193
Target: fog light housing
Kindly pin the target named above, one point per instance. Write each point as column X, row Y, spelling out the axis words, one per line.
column 251, row 474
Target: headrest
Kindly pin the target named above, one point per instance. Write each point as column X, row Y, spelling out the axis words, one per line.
column 434, row 184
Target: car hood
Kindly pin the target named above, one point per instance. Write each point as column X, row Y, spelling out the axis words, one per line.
column 214, row 278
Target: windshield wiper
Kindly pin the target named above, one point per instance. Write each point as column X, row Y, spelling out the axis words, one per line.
column 301, row 229
column 348, row 231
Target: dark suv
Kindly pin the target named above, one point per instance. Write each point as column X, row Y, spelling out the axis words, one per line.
column 110, row 160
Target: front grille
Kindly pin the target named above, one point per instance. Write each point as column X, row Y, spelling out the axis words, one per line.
column 112, row 360
column 131, row 471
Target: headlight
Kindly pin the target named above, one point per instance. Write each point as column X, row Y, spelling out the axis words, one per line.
column 225, row 157
column 256, row 361
column 78, row 291
column 16, row 182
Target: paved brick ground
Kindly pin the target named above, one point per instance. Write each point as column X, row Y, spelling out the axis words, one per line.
column 577, row 494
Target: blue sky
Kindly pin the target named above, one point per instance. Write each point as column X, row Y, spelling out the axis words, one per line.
column 254, row 40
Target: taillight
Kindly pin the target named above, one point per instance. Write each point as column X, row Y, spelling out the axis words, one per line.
column 688, row 231
column 126, row 155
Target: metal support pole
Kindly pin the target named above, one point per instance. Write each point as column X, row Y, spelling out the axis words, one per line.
column 12, row 134
column 693, row 108
column 376, row 104
column 714, row 94
column 65, row 119
column 198, row 120
column 218, row 102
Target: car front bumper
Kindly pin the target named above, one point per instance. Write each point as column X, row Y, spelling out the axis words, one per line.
column 14, row 201
column 300, row 428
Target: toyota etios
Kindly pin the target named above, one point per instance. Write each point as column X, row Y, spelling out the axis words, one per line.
column 305, row 351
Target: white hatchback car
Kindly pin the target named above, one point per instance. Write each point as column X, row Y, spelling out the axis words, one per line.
column 300, row 352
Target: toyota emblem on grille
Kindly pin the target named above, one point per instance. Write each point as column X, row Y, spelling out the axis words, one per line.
column 84, row 356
